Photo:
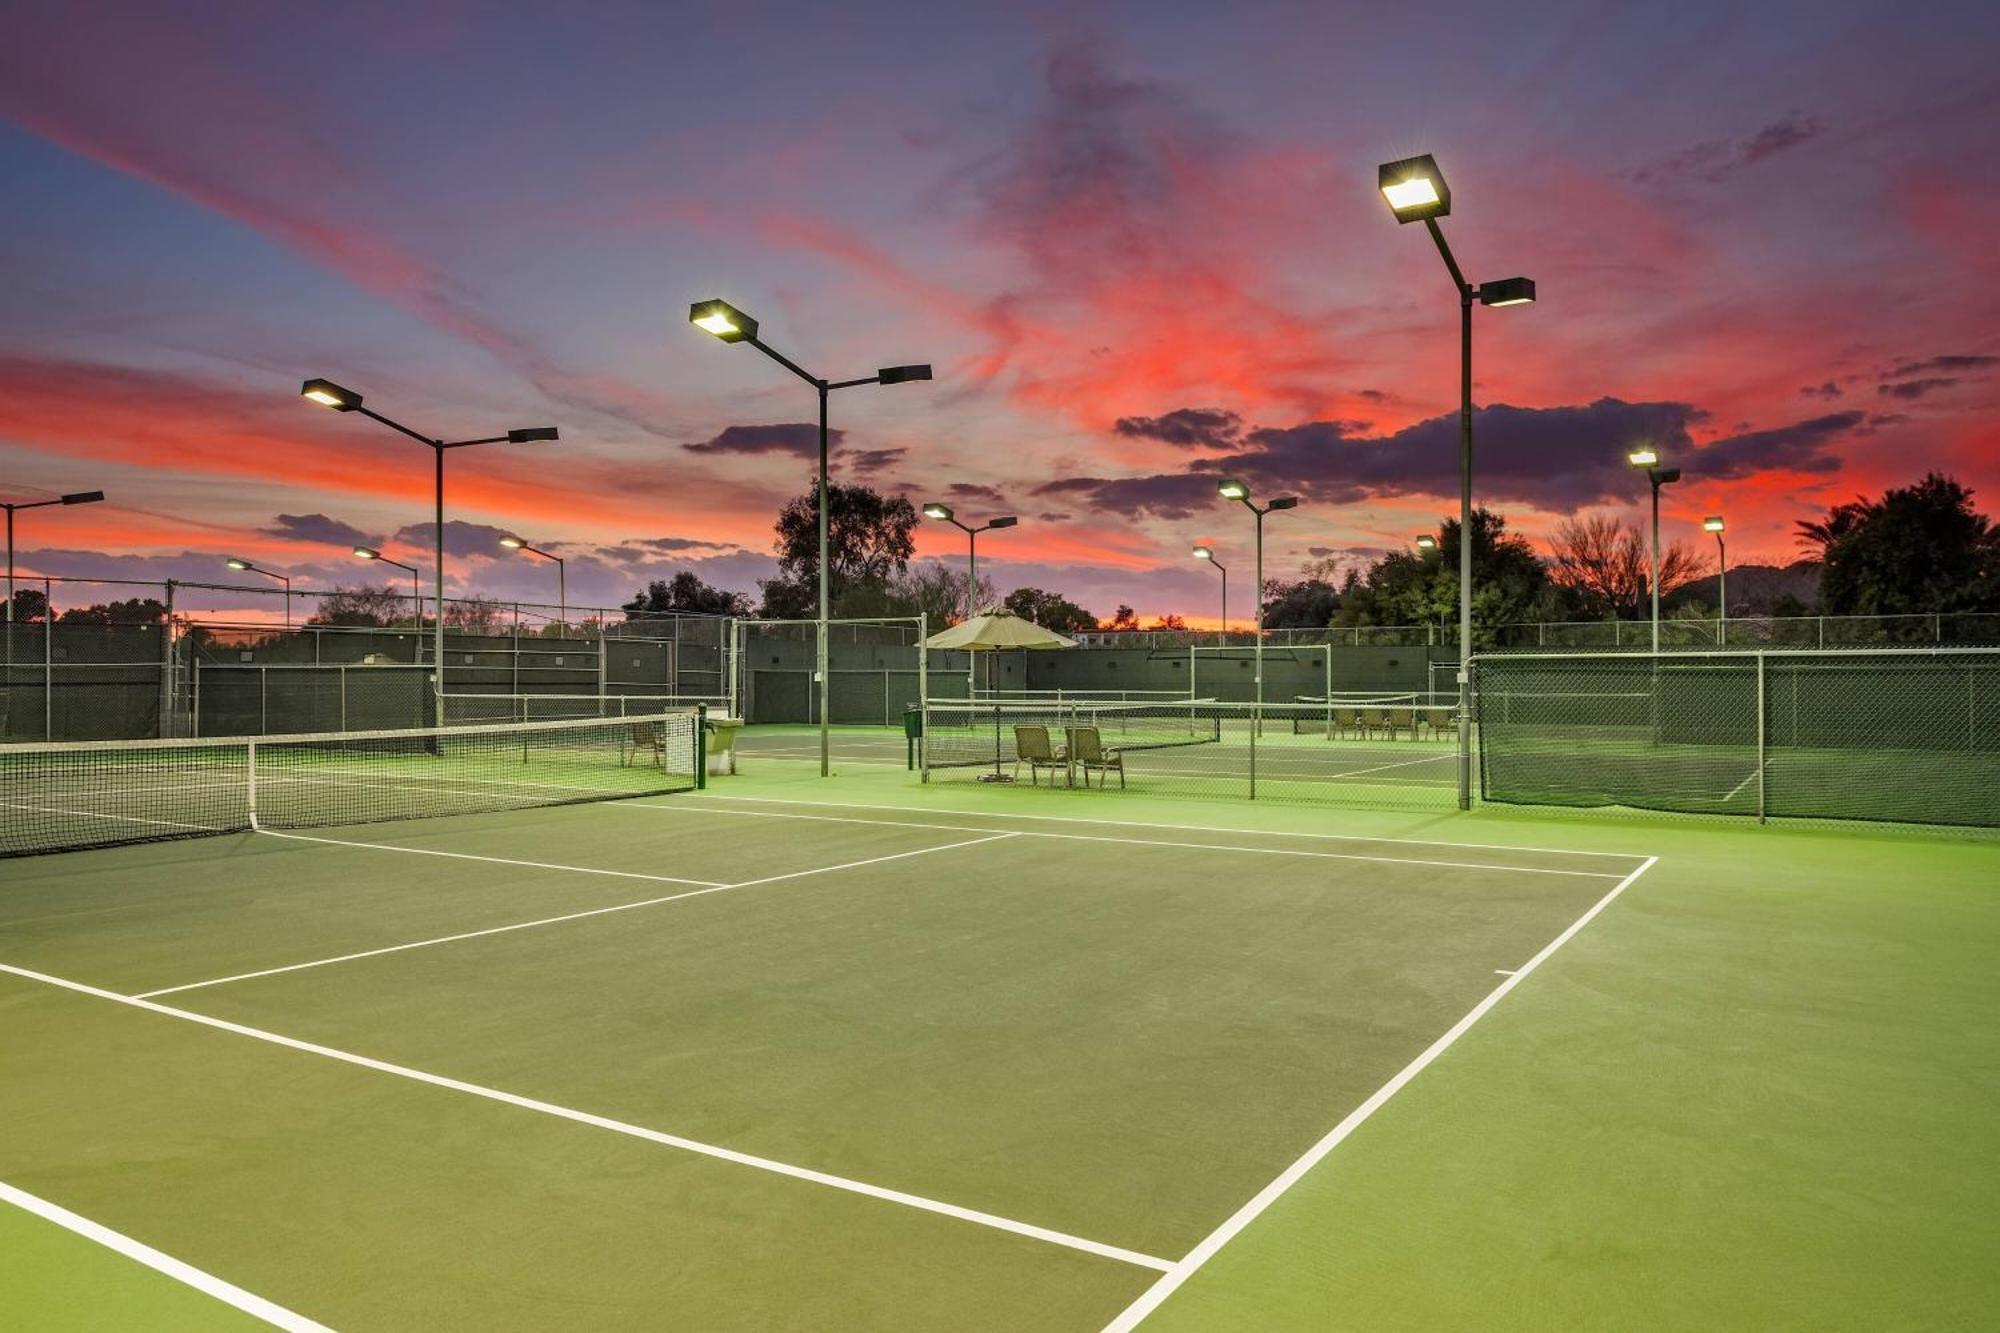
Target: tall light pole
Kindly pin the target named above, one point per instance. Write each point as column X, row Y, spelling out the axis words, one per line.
column 1208, row 553
column 731, row 325
column 1649, row 460
column 73, row 498
column 1231, row 489
column 328, row 394
column 1713, row 523
column 943, row 512
column 416, row 597
column 1416, row 192
column 242, row 566
column 513, row 543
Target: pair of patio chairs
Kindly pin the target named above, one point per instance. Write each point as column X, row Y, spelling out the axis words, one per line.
column 1083, row 748
column 1368, row 723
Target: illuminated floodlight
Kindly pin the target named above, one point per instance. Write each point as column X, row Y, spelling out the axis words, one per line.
column 1426, row 542
column 1645, row 456
column 1415, row 189
column 1507, row 291
column 938, row 511
column 723, row 320
column 512, row 543
column 1713, row 523
column 1203, row 553
column 329, row 394
column 1231, row 489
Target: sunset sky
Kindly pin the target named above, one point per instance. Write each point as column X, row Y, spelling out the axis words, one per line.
column 1141, row 243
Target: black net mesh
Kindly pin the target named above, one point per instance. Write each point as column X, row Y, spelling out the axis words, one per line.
column 64, row 797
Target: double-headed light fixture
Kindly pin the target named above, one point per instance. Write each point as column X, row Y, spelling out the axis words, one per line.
column 1416, row 192
column 328, row 394
column 943, row 513
column 73, row 498
column 731, row 325
column 1647, row 458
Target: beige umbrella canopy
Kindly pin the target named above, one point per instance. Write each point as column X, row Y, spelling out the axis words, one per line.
column 997, row 630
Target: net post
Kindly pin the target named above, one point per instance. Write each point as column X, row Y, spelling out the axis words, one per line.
column 701, row 747
column 250, row 783
column 1762, row 741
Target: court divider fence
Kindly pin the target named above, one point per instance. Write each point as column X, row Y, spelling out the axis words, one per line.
column 1389, row 751
column 1896, row 735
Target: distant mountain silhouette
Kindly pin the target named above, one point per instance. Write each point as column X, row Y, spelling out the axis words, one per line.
column 1754, row 589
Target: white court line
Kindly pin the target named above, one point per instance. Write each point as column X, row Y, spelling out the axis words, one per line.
column 1186, row 828
column 496, row 860
column 1131, row 842
column 122, row 819
column 543, row 921
column 1733, row 791
column 1152, row 1297
column 615, row 1126
column 207, row 1283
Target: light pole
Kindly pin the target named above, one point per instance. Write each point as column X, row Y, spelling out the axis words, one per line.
column 943, row 512
column 416, row 597
column 562, row 573
column 73, row 498
column 731, row 325
column 1231, row 489
column 1713, row 523
column 328, row 394
column 1208, row 553
column 1416, row 192
column 1649, row 459
column 242, row 566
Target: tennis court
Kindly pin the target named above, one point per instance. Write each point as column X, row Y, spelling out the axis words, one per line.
column 874, row 1053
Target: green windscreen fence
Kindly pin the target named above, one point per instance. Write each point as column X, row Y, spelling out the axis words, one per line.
column 1908, row 736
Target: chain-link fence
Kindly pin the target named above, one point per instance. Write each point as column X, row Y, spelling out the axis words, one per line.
column 876, row 670
column 1386, row 752
column 1907, row 735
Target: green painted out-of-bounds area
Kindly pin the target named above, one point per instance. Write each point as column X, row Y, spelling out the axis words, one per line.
column 864, row 1053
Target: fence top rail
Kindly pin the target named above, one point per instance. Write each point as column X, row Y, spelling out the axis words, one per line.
column 1741, row 654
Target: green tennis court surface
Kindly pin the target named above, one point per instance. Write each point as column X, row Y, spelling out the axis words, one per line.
column 870, row 1054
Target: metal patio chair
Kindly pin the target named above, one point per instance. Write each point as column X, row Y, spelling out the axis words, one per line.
column 1032, row 747
column 1087, row 750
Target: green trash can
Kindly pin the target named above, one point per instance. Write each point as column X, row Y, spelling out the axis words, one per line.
column 913, row 733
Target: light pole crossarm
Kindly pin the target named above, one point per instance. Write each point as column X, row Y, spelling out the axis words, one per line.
column 787, row 362
column 1465, row 290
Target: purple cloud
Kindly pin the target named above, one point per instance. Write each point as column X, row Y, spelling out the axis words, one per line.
column 1187, row 428
column 1909, row 389
column 798, row 438
column 318, row 528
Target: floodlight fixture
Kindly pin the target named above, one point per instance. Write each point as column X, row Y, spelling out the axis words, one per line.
column 902, row 374
column 1231, row 489
column 1713, row 523
column 1415, row 188
column 533, row 435
column 1006, row 522
column 1507, row 291
column 329, row 394
column 1644, row 456
column 723, row 320
column 1284, row 502
column 1426, row 542
column 1203, row 553
column 512, row 543
column 938, row 511
column 82, row 497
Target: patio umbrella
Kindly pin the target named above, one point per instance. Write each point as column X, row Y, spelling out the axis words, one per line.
column 995, row 630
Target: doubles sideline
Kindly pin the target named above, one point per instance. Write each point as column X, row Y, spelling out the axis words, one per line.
column 1171, row 1281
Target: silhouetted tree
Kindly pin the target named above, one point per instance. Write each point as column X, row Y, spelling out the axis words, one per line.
column 1050, row 610
column 1919, row 549
column 685, row 592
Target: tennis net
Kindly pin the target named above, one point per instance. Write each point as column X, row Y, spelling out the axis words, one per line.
column 961, row 734
column 63, row 797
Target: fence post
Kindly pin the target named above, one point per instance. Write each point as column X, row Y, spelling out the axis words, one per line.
column 48, row 665
column 1762, row 740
